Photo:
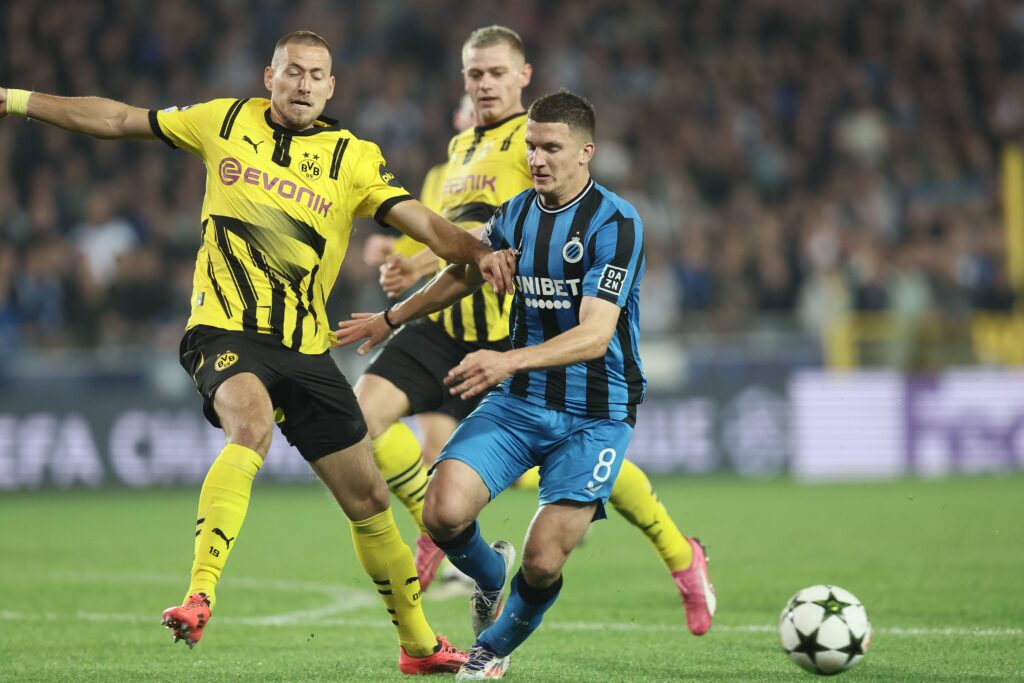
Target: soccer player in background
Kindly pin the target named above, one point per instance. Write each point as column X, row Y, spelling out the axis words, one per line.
column 283, row 185
column 404, row 261
column 378, row 246
column 568, row 390
column 486, row 166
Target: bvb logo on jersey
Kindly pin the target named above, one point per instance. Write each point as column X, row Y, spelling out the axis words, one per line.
column 310, row 168
column 225, row 361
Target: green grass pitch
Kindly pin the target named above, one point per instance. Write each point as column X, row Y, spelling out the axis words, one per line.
column 939, row 565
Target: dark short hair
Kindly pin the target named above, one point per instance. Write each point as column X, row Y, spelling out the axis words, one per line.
column 564, row 107
column 303, row 38
column 494, row 35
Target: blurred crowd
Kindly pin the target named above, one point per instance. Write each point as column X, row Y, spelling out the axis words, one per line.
column 793, row 160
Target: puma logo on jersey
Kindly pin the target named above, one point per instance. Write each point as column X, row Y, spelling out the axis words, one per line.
column 225, row 361
column 255, row 145
column 227, row 541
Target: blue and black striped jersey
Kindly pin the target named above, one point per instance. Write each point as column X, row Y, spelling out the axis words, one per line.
column 592, row 246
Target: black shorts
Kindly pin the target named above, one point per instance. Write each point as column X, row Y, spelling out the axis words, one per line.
column 314, row 404
column 416, row 361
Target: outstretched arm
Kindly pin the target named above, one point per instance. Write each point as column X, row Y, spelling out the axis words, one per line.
column 452, row 243
column 95, row 116
column 399, row 271
column 451, row 284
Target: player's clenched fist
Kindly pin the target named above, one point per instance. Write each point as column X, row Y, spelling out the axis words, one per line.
column 397, row 274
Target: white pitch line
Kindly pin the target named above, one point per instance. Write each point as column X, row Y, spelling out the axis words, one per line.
column 349, row 599
column 277, row 621
column 338, row 598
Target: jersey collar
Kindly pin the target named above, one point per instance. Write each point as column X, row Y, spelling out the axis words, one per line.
column 568, row 205
column 329, row 124
column 496, row 124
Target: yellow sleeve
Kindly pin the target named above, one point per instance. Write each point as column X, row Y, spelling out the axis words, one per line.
column 374, row 189
column 188, row 127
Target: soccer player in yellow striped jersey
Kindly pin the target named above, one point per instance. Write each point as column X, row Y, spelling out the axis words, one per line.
column 412, row 261
column 486, row 166
column 283, row 185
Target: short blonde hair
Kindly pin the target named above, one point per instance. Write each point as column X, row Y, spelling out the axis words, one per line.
column 494, row 35
column 303, row 38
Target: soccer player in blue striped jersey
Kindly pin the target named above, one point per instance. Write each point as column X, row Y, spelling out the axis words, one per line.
column 567, row 392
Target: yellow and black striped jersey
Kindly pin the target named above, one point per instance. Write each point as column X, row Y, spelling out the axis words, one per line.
column 486, row 166
column 430, row 193
column 277, row 215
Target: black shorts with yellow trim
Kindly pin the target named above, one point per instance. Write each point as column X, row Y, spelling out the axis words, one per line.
column 416, row 361
column 313, row 402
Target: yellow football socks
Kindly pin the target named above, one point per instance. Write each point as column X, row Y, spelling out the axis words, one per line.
column 398, row 456
column 223, row 501
column 634, row 498
column 388, row 561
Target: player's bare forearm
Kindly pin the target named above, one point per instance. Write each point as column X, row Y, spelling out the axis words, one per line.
column 481, row 370
column 94, row 116
column 443, row 237
column 452, row 243
column 572, row 346
column 451, row 284
column 586, row 341
column 427, row 262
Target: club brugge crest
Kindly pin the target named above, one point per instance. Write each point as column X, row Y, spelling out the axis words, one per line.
column 572, row 252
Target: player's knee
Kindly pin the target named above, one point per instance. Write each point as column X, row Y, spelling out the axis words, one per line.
column 381, row 408
column 375, row 424
column 378, row 497
column 377, row 419
column 443, row 519
column 247, row 418
column 253, row 434
column 541, row 569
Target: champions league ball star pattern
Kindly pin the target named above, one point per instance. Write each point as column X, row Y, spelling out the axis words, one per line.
column 825, row 629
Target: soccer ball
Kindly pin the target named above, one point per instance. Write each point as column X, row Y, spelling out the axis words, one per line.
column 825, row 629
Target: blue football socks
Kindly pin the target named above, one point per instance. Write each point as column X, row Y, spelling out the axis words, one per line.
column 474, row 557
column 522, row 615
